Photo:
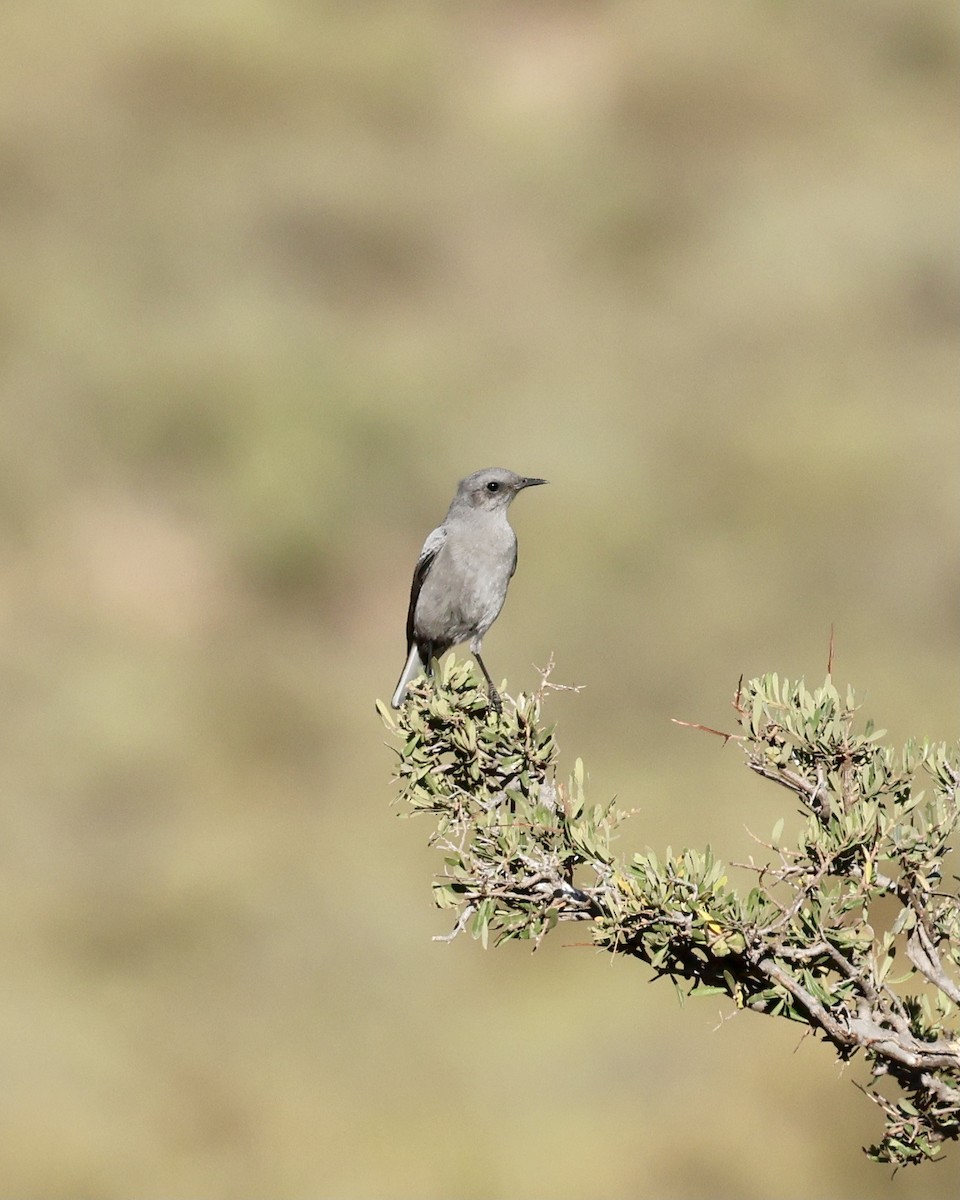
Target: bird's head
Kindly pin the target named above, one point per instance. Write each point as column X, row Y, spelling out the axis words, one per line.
column 492, row 488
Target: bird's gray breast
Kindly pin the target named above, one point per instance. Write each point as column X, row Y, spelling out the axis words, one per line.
column 467, row 583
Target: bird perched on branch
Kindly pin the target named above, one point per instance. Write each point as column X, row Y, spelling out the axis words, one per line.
column 461, row 577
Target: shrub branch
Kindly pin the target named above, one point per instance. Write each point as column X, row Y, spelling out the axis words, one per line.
column 850, row 929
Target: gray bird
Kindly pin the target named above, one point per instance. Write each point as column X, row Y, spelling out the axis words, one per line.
column 461, row 577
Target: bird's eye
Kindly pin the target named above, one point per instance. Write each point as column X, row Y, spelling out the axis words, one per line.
column 493, row 486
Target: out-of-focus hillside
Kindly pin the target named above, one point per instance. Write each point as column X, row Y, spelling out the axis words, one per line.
column 273, row 276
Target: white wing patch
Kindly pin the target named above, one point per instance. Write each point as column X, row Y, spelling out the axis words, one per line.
column 433, row 543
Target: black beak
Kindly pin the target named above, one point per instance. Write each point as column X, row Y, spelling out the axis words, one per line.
column 532, row 482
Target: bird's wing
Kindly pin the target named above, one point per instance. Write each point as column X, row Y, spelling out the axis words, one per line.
column 431, row 548
column 514, row 565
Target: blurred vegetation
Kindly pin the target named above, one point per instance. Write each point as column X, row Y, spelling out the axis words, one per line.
column 273, row 275
column 817, row 937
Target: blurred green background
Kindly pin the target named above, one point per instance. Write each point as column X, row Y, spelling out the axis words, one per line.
column 273, row 276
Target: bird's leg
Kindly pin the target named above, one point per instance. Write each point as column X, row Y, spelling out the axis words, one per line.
column 492, row 693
